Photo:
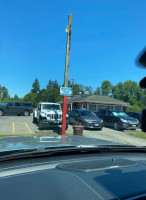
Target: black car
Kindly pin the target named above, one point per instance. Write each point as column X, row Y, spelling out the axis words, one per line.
column 86, row 118
column 117, row 119
column 136, row 115
column 16, row 108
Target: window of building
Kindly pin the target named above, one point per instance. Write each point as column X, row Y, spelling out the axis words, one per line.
column 100, row 107
column 118, row 107
column 92, row 107
column 110, row 107
column 84, row 106
column 79, row 106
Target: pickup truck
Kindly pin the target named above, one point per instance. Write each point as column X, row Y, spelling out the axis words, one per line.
column 48, row 114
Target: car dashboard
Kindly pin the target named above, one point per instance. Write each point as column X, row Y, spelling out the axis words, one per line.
column 76, row 176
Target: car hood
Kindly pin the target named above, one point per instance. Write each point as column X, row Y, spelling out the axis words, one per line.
column 127, row 118
column 29, row 142
column 90, row 118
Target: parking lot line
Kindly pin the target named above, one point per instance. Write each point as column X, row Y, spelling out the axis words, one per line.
column 13, row 125
column 28, row 128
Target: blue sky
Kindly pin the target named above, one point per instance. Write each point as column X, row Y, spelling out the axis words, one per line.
column 107, row 36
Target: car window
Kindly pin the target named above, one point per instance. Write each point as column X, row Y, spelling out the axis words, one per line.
column 87, row 113
column 109, row 113
column 76, row 113
column 116, row 113
column 10, row 104
column 17, row 104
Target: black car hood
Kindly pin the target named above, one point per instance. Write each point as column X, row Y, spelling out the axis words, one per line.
column 126, row 118
column 29, row 142
column 91, row 118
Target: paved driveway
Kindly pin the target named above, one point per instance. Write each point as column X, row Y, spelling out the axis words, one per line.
column 23, row 125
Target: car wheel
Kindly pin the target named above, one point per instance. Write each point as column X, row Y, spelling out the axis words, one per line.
column 40, row 124
column 26, row 113
column 99, row 129
column 116, row 126
column 69, row 120
column 66, row 126
column 1, row 112
column 34, row 120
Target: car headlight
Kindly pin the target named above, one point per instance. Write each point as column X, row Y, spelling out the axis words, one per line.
column 124, row 120
column 88, row 121
column 101, row 121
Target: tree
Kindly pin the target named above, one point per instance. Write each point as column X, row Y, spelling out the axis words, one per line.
column 35, row 86
column 32, row 98
column 118, row 91
column 134, row 108
column 106, row 87
column 97, row 91
column 16, row 97
column 89, row 89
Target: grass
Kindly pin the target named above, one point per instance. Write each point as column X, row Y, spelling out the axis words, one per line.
column 137, row 134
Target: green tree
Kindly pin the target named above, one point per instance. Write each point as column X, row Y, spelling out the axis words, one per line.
column 16, row 97
column 50, row 84
column 118, row 91
column 89, row 89
column 32, row 98
column 97, row 91
column 35, row 86
column 106, row 88
column 134, row 108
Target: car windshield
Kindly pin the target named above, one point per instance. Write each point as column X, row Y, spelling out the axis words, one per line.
column 60, row 58
column 119, row 113
column 87, row 113
column 50, row 107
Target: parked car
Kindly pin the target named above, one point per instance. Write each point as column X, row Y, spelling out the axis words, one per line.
column 136, row 115
column 16, row 108
column 86, row 118
column 117, row 119
column 48, row 113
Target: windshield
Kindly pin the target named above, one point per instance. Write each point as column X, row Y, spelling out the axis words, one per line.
column 65, row 62
column 87, row 113
column 50, row 107
column 120, row 114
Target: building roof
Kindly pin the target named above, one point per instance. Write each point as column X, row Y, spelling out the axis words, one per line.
column 97, row 99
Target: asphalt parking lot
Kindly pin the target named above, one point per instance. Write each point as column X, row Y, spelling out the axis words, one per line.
column 14, row 125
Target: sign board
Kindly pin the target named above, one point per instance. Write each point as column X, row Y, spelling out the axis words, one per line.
column 65, row 91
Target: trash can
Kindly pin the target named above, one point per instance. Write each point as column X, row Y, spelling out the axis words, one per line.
column 78, row 130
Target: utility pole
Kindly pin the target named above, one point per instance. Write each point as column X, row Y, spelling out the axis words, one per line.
column 68, row 30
